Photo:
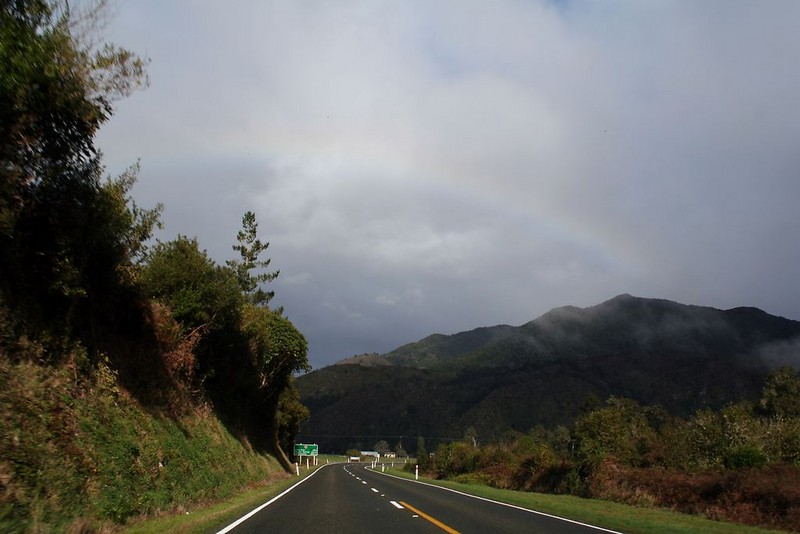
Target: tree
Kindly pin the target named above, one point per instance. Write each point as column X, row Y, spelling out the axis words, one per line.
column 278, row 349
column 291, row 412
column 199, row 293
column 423, row 458
column 382, row 447
column 781, row 394
column 620, row 430
column 250, row 248
column 64, row 234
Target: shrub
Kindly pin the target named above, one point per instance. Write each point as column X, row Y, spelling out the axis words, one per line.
column 745, row 456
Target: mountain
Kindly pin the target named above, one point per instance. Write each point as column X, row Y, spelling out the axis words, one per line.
column 503, row 378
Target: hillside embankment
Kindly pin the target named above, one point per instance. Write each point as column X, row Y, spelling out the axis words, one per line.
column 79, row 453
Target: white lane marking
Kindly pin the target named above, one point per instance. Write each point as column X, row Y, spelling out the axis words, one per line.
column 255, row 511
column 373, row 489
column 363, row 481
column 396, row 505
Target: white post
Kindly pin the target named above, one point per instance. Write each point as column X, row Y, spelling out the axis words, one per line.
column 307, row 459
column 383, row 468
column 297, row 468
column 416, row 472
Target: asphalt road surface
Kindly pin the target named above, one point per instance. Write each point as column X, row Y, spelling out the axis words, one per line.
column 343, row 498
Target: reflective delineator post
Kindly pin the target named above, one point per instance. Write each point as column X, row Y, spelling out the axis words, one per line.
column 297, row 468
column 416, row 472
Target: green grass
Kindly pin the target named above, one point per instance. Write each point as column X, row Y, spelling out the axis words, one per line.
column 614, row 516
column 77, row 456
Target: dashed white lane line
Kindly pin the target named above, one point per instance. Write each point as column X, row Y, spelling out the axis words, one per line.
column 374, row 490
column 396, row 505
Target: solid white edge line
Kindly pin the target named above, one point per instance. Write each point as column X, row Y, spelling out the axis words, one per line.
column 502, row 503
column 272, row 500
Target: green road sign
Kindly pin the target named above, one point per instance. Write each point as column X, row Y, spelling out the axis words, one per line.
column 303, row 449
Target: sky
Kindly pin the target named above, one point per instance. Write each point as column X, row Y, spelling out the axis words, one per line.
column 433, row 166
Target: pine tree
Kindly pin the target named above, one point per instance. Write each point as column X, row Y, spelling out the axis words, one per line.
column 250, row 248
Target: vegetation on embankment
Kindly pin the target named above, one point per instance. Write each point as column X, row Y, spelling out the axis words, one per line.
column 217, row 516
column 82, row 454
column 134, row 379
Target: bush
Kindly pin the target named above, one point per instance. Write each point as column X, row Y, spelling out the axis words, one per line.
column 745, row 456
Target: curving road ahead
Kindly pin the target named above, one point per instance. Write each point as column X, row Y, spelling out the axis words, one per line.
column 344, row 498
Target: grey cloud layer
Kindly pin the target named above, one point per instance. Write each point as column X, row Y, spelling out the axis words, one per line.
column 437, row 166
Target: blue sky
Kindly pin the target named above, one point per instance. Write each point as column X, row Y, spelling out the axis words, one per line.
column 435, row 166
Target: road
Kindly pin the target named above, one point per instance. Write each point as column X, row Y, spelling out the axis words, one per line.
column 343, row 498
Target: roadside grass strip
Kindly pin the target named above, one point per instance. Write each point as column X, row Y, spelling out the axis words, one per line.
column 258, row 509
column 602, row 515
column 506, row 504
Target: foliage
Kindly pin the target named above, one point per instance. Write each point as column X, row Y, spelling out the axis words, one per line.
column 199, row 293
column 81, row 292
column 423, row 458
column 67, row 237
column 781, row 394
column 79, row 449
column 278, row 348
column 620, row 429
column 290, row 413
column 737, row 463
column 246, row 354
column 250, row 248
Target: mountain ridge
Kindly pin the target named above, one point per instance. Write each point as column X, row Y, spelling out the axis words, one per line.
column 505, row 378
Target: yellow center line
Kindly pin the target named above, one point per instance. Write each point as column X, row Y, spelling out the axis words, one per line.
column 431, row 519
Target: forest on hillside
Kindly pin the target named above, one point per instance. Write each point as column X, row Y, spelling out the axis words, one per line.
column 106, row 338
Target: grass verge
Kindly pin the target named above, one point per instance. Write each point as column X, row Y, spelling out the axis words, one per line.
column 614, row 516
column 214, row 517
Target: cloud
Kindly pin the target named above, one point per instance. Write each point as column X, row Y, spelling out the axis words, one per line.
column 437, row 166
